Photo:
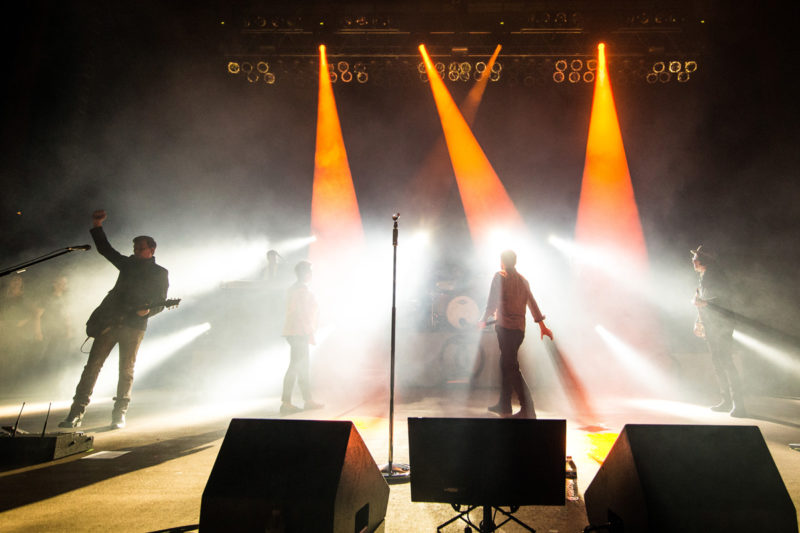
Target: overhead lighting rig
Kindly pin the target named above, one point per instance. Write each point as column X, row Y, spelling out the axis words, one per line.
column 382, row 37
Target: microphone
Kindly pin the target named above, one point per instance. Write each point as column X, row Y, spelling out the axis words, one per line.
column 82, row 247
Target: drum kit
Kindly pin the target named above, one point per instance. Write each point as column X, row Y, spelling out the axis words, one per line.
column 452, row 308
column 453, row 319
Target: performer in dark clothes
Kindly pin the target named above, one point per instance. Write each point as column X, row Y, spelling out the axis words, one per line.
column 122, row 316
column 715, row 324
column 509, row 298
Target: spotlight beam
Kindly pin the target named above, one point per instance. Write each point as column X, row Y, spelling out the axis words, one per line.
column 607, row 211
column 335, row 217
column 485, row 200
column 432, row 184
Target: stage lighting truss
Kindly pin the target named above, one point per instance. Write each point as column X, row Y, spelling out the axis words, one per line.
column 666, row 71
column 254, row 71
column 574, row 70
column 461, row 71
column 653, row 19
column 565, row 20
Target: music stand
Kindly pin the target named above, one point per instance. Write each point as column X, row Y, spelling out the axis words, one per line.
column 488, row 463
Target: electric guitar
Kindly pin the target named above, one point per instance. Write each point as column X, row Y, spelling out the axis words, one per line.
column 102, row 319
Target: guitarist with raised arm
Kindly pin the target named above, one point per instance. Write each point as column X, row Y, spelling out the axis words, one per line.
column 121, row 318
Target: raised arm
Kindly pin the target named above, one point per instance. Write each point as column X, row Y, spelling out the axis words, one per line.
column 101, row 241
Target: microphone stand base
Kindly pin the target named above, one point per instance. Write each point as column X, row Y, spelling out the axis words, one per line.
column 397, row 473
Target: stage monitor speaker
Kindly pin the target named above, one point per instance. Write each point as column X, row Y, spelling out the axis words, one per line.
column 293, row 475
column 690, row 478
column 486, row 461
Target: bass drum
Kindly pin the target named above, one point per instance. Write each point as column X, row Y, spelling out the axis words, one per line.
column 462, row 312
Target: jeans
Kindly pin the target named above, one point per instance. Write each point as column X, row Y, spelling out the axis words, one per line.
column 298, row 369
column 129, row 340
column 512, row 381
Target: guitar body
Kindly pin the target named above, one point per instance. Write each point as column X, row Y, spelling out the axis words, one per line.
column 105, row 316
column 99, row 321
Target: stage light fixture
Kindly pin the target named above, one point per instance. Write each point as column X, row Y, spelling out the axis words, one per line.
column 465, row 67
column 233, row 67
column 346, row 76
column 247, row 67
column 421, row 67
column 588, row 76
column 674, row 66
column 464, row 75
column 496, row 68
column 561, row 19
column 651, row 77
column 494, row 76
column 334, row 77
column 261, row 22
column 543, row 18
column 574, row 77
column 262, row 67
column 343, row 66
column 576, row 64
column 558, row 76
column 480, row 66
column 439, row 67
column 362, row 77
column 360, row 67
column 683, row 77
column 690, row 66
column 269, row 78
column 561, row 65
column 423, row 77
column 591, row 64
column 659, row 66
column 452, row 75
column 664, row 77
column 252, row 76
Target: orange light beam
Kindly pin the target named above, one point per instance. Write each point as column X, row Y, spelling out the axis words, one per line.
column 607, row 211
column 335, row 217
column 485, row 200
column 431, row 185
column 608, row 218
column 469, row 107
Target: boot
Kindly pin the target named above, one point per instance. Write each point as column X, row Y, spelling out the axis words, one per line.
column 525, row 412
column 117, row 419
column 74, row 418
column 739, row 410
column 723, row 406
column 500, row 409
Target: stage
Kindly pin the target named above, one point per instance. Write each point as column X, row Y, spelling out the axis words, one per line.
column 150, row 475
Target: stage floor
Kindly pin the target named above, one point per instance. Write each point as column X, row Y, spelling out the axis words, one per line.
column 170, row 446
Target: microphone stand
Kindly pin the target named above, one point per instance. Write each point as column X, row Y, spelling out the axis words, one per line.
column 394, row 473
column 46, row 257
